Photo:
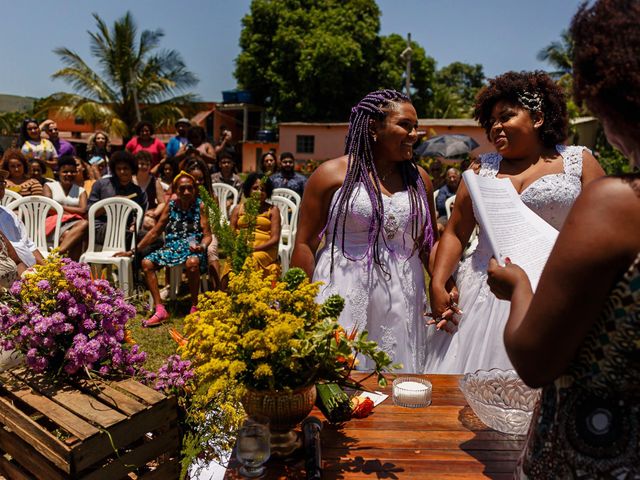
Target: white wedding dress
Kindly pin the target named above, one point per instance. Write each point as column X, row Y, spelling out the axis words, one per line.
column 388, row 305
column 478, row 342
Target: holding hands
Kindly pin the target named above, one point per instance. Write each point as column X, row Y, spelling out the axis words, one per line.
column 444, row 307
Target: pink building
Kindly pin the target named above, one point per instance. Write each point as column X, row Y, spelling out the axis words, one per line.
column 322, row 141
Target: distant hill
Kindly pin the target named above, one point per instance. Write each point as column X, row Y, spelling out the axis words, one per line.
column 15, row 103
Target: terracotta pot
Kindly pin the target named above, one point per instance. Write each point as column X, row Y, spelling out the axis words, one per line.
column 285, row 411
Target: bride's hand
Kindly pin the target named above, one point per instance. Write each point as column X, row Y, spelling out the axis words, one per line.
column 443, row 307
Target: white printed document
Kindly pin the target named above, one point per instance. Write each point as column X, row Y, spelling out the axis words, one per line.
column 513, row 229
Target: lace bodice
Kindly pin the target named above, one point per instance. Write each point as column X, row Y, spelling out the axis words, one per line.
column 551, row 197
column 396, row 228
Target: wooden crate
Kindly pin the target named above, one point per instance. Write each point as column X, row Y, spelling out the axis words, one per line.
column 85, row 429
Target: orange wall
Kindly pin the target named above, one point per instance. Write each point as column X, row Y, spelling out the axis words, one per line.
column 329, row 138
column 253, row 151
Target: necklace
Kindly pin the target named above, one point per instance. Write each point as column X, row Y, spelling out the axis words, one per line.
column 384, row 176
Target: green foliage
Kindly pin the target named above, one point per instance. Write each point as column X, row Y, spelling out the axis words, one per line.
column 559, row 54
column 294, row 277
column 392, row 69
column 235, row 246
column 611, row 160
column 455, row 89
column 132, row 74
column 308, row 59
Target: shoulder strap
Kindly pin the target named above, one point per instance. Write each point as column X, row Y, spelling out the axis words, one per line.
column 572, row 159
column 489, row 164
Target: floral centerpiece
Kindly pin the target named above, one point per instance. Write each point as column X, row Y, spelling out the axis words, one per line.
column 267, row 335
column 63, row 321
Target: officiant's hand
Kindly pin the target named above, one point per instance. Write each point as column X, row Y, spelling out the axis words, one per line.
column 503, row 280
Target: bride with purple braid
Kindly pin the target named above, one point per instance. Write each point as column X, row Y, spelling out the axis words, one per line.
column 374, row 208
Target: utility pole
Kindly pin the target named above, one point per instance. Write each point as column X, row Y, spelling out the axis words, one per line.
column 406, row 55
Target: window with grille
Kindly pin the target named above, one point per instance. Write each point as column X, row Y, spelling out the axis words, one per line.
column 305, row 143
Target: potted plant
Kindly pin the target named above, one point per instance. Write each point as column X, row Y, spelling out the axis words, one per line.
column 265, row 343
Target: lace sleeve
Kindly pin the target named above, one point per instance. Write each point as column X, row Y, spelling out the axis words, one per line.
column 489, row 164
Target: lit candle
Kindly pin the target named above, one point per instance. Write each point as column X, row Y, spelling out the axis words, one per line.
column 411, row 392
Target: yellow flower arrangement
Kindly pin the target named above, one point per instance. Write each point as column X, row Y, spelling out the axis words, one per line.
column 268, row 334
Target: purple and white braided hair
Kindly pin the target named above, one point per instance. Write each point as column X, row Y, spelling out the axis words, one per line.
column 361, row 169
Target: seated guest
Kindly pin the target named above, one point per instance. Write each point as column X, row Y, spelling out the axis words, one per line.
column 199, row 170
column 182, row 127
column 73, row 199
column 119, row 184
column 448, row 190
column 15, row 231
column 18, row 180
column 578, row 335
column 37, row 168
column 50, row 129
column 184, row 222
column 267, row 230
column 10, row 264
column 197, row 142
column 287, row 177
column 227, row 173
column 144, row 140
column 268, row 163
column 84, row 175
column 151, row 186
column 167, row 172
column 34, row 146
column 98, row 150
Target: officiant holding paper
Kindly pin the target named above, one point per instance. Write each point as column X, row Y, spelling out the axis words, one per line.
column 525, row 117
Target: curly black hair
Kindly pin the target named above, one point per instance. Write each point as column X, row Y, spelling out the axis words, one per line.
column 606, row 64
column 510, row 85
column 142, row 124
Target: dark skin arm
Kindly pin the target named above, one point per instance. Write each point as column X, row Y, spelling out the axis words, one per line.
column 584, row 265
column 450, row 247
column 314, row 211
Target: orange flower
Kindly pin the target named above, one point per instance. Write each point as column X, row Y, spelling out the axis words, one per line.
column 361, row 408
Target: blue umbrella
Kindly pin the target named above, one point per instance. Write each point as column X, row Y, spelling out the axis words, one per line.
column 446, row 146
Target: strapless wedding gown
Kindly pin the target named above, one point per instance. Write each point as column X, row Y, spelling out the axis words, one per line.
column 388, row 305
column 478, row 342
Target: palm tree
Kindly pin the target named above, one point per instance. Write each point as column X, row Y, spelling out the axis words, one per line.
column 133, row 82
column 559, row 55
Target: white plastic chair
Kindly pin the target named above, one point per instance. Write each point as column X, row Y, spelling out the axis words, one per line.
column 223, row 191
column 289, row 227
column 33, row 211
column 117, row 210
column 175, row 276
column 288, row 194
column 435, row 195
column 9, row 197
column 448, row 205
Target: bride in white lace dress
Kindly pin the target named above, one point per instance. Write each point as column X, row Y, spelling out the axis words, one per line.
column 375, row 209
column 524, row 115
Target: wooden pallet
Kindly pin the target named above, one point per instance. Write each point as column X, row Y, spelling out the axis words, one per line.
column 85, row 429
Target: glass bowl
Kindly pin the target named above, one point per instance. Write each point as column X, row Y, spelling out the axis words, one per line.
column 500, row 399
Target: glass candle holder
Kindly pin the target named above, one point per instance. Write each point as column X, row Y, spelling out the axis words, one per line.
column 411, row 392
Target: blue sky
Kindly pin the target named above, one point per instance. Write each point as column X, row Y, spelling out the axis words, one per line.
column 499, row 34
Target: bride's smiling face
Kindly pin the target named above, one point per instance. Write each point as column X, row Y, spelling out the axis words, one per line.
column 398, row 133
column 513, row 129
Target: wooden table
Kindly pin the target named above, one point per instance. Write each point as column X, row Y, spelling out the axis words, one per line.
column 445, row 440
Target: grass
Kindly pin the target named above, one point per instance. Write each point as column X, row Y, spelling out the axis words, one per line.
column 157, row 341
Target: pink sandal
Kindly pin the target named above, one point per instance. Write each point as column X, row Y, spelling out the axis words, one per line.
column 158, row 317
